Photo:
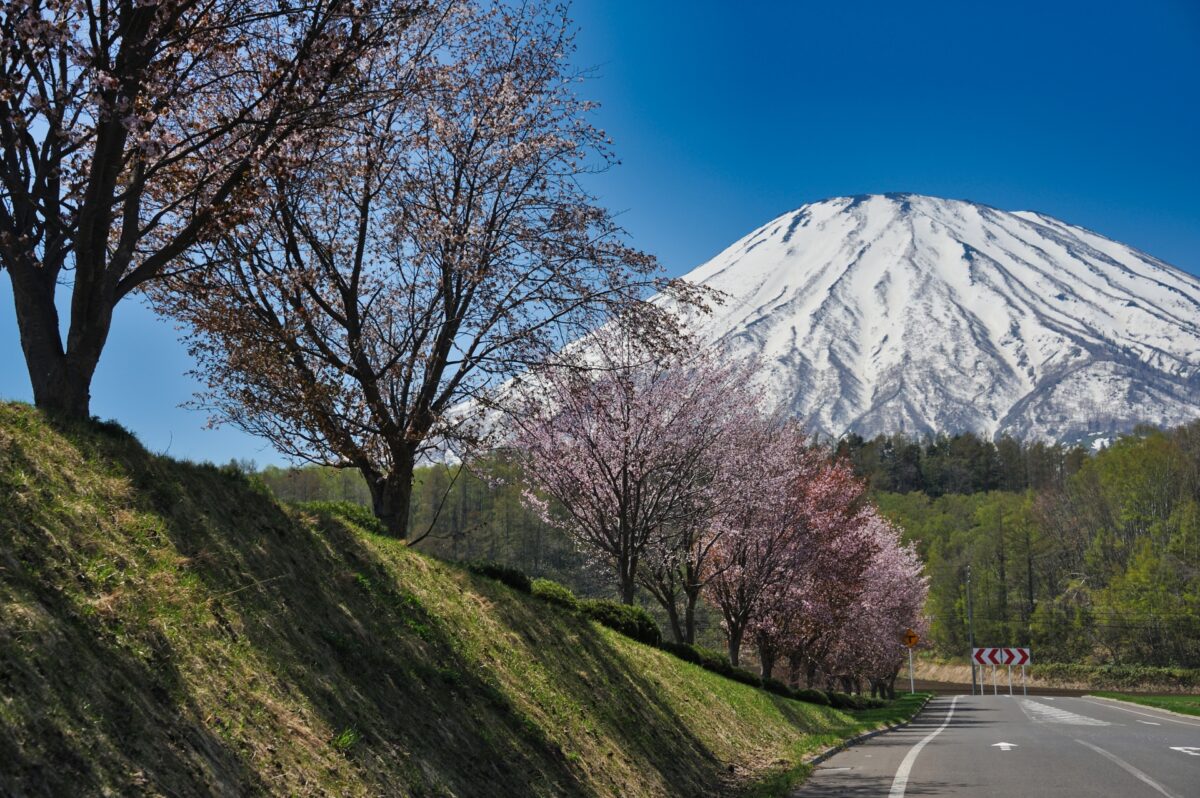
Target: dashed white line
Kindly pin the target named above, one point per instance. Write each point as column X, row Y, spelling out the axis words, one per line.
column 1113, row 705
column 1129, row 768
column 900, row 783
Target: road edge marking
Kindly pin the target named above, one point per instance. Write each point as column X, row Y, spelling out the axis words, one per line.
column 1114, row 702
column 816, row 759
column 900, row 782
column 1129, row 768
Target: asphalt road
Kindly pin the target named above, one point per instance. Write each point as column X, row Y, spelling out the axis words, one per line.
column 1057, row 746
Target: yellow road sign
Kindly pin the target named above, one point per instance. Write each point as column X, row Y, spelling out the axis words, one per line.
column 911, row 638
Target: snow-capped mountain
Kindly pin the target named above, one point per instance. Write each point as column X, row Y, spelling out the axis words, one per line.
column 900, row 312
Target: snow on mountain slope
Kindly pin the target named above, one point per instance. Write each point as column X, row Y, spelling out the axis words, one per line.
column 900, row 312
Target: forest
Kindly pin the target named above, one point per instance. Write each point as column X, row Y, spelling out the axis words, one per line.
column 1088, row 556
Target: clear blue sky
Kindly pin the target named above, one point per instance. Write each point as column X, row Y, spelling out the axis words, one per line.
column 726, row 114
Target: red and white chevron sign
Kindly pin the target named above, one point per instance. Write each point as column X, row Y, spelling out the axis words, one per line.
column 1001, row 656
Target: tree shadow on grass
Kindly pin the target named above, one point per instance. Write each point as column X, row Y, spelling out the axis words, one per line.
column 81, row 712
column 627, row 707
column 307, row 665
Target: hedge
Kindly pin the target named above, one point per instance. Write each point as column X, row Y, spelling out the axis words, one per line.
column 629, row 620
column 502, row 573
column 554, row 593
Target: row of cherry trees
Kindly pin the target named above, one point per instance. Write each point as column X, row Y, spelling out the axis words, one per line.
column 666, row 469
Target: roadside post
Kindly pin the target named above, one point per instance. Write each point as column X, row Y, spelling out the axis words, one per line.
column 911, row 639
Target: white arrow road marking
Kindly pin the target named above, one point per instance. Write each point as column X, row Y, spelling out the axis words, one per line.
column 1187, row 749
column 1129, row 768
column 1005, row 746
column 900, row 783
column 1149, row 723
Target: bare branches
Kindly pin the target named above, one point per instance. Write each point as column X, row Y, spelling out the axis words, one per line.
column 133, row 130
column 426, row 250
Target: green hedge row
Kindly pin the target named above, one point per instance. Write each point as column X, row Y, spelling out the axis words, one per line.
column 636, row 623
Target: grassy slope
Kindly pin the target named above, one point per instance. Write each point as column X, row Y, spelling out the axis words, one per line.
column 1185, row 704
column 167, row 629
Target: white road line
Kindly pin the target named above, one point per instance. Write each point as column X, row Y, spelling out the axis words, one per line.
column 1150, row 722
column 1130, row 768
column 900, row 783
column 1044, row 713
column 1114, row 705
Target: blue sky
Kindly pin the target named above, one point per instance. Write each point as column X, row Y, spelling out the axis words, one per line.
column 725, row 115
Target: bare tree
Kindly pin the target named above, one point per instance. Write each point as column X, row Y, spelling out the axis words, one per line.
column 439, row 245
column 132, row 129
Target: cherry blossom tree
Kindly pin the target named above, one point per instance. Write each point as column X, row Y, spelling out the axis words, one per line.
column 763, row 526
column 440, row 244
column 131, row 130
column 842, row 616
column 869, row 641
column 630, row 443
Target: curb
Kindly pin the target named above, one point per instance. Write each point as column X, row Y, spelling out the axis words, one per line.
column 813, row 761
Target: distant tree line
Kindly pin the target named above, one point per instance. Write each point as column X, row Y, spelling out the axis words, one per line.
column 1085, row 557
column 959, row 464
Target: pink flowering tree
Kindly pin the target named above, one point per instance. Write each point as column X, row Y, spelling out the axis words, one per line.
column 762, row 526
column 868, row 644
column 629, row 442
column 828, row 551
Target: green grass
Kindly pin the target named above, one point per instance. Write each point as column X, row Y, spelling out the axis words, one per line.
column 1186, row 704
column 167, row 628
column 780, row 779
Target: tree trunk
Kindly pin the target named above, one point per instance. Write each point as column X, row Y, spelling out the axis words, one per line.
column 391, row 496
column 61, row 380
column 691, row 598
column 766, row 654
column 794, row 668
column 673, row 616
column 628, row 588
column 627, row 579
column 735, row 644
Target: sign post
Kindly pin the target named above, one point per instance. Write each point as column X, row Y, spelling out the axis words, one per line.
column 1000, row 656
column 910, row 640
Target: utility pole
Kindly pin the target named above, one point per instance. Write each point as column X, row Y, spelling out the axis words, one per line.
column 971, row 629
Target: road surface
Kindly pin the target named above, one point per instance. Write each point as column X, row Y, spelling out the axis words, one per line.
column 1037, row 746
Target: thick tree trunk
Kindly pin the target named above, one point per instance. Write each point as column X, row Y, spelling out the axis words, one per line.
column 628, row 588
column 61, row 379
column 391, row 495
